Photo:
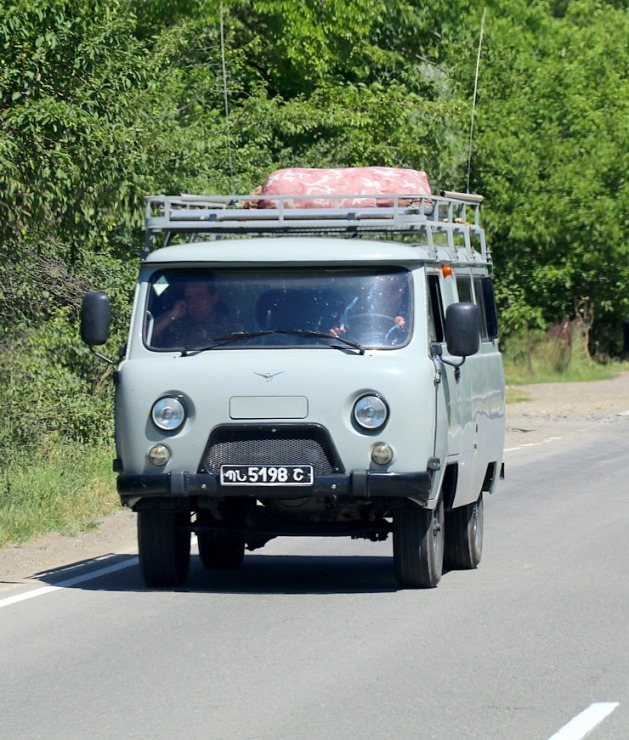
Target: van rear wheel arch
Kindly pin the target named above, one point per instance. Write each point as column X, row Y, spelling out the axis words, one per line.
column 449, row 485
column 464, row 536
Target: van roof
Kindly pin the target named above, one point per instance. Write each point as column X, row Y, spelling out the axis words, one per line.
column 298, row 250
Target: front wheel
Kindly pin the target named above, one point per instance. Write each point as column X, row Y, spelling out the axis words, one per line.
column 418, row 544
column 164, row 547
column 464, row 535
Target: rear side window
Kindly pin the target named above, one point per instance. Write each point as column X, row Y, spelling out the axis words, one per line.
column 486, row 301
column 483, row 297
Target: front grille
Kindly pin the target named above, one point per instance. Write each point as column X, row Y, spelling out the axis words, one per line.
column 272, row 445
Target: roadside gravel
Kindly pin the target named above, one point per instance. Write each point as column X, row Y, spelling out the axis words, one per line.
column 553, row 409
column 564, row 408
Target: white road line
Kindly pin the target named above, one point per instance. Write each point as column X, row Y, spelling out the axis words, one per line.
column 532, row 444
column 579, row 727
column 68, row 583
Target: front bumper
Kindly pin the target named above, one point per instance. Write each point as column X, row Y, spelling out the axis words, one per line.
column 185, row 490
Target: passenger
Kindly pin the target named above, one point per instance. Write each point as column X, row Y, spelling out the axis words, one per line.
column 193, row 321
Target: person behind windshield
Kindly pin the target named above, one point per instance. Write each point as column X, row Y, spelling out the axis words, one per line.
column 194, row 320
column 383, row 317
column 389, row 297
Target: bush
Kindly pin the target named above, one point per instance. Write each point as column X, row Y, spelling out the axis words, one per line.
column 561, row 353
column 51, row 387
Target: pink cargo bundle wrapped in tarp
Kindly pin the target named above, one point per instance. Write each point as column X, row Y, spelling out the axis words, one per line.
column 367, row 181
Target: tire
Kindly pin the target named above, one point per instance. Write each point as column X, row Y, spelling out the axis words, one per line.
column 164, row 548
column 464, row 536
column 220, row 551
column 418, row 545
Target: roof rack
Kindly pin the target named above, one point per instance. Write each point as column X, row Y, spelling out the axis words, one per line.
column 450, row 213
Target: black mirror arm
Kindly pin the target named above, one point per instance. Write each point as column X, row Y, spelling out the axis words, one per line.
column 437, row 351
column 101, row 356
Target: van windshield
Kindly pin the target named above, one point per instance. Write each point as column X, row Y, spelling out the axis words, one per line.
column 190, row 309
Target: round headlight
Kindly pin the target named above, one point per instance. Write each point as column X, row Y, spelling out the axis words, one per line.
column 371, row 412
column 168, row 414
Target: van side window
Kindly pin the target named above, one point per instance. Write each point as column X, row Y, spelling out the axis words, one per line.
column 464, row 288
column 435, row 310
column 486, row 300
column 479, row 301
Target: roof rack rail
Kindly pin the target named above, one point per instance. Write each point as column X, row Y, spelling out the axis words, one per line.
column 450, row 213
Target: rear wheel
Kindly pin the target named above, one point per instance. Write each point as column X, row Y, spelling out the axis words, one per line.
column 418, row 544
column 464, row 535
column 164, row 547
column 220, row 550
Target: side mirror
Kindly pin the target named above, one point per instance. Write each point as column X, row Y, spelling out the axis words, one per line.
column 462, row 329
column 95, row 317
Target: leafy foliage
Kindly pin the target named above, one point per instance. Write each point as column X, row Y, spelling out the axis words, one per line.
column 553, row 151
column 102, row 103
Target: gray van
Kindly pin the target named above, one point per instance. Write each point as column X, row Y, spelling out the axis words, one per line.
column 308, row 372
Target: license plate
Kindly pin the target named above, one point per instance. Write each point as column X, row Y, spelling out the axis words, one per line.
column 267, row 475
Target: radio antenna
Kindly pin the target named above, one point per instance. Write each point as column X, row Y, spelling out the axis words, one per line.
column 480, row 44
column 224, row 65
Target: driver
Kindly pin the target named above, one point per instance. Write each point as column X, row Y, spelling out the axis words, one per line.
column 193, row 321
column 389, row 297
column 383, row 317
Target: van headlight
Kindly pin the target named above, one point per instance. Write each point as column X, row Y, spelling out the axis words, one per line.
column 168, row 414
column 370, row 412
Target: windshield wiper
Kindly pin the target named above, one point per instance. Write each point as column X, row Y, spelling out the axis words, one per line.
column 322, row 335
column 236, row 336
column 224, row 339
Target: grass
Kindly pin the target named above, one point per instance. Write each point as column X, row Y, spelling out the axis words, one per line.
column 548, row 361
column 517, row 374
column 515, row 395
column 537, row 357
column 61, row 489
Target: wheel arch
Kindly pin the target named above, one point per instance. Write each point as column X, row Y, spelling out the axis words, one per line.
column 449, row 485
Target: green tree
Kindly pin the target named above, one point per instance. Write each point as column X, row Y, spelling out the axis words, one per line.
column 551, row 156
column 103, row 103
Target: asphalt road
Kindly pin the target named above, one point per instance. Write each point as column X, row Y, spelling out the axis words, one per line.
column 313, row 639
